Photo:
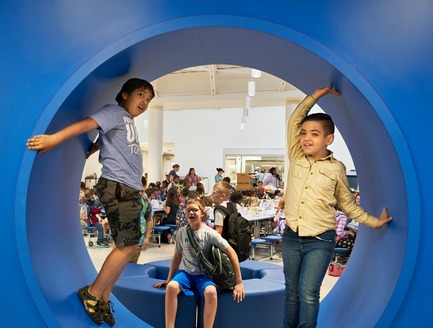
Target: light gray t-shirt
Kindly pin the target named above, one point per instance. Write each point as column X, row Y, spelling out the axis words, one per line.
column 120, row 152
column 219, row 215
column 206, row 238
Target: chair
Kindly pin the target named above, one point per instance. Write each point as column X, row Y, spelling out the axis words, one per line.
column 272, row 240
column 91, row 231
column 338, row 251
column 173, row 228
column 159, row 230
column 254, row 243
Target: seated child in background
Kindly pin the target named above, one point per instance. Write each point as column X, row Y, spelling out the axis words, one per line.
column 93, row 217
column 209, row 210
column 345, row 237
column 260, row 190
column 279, row 221
column 237, row 198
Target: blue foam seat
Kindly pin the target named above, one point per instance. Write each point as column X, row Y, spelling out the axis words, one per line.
column 135, row 290
column 263, row 283
column 263, row 305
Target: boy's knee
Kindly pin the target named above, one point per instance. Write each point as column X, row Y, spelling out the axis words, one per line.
column 210, row 293
column 172, row 288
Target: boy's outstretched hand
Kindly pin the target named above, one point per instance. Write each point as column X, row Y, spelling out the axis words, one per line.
column 384, row 218
column 42, row 143
column 319, row 93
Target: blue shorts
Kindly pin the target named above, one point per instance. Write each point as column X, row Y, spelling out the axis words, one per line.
column 188, row 283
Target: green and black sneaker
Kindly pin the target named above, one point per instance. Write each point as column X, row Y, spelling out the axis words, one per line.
column 91, row 305
column 107, row 310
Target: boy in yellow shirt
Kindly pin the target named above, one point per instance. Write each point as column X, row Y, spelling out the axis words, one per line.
column 316, row 183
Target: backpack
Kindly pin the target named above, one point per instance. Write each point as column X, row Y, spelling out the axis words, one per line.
column 93, row 218
column 218, row 266
column 237, row 231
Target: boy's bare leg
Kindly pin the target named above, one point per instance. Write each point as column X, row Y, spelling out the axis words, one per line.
column 110, row 271
column 172, row 291
column 210, row 306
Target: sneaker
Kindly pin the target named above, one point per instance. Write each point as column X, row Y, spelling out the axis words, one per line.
column 91, row 305
column 107, row 310
column 102, row 244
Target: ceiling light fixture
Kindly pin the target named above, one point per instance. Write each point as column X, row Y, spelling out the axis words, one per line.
column 256, row 73
column 245, row 112
column 251, row 88
column 248, row 102
column 243, row 122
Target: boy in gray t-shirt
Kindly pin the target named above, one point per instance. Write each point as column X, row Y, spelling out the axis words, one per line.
column 186, row 274
column 118, row 187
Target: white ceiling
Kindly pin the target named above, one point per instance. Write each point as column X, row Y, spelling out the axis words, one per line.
column 219, row 86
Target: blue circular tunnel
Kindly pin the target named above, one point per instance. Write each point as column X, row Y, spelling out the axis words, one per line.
column 75, row 68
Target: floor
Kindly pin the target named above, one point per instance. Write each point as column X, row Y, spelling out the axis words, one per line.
column 154, row 253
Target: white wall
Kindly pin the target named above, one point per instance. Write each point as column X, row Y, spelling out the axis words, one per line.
column 201, row 135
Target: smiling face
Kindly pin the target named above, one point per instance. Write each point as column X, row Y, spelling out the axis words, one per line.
column 136, row 103
column 313, row 140
column 194, row 214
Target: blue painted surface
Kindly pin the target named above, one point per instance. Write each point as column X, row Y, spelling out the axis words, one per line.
column 62, row 61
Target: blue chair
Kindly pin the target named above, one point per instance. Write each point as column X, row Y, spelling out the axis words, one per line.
column 173, row 228
column 272, row 240
column 254, row 243
column 338, row 251
column 159, row 230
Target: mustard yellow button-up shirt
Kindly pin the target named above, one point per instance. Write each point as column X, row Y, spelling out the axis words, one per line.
column 315, row 186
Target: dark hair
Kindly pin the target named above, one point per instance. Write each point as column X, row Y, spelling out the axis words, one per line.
column 226, row 179
column 273, row 169
column 189, row 172
column 185, row 192
column 219, row 169
column 134, row 84
column 236, row 196
column 173, row 196
column 327, row 123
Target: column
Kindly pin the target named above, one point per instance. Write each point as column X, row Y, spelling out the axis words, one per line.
column 155, row 143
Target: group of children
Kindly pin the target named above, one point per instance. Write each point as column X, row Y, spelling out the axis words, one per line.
column 93, row 215
column 316, row 183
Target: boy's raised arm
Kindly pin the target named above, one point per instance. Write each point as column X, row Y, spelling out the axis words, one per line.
column 319, row 93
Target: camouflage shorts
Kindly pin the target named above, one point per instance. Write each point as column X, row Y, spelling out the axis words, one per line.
column 122, row 206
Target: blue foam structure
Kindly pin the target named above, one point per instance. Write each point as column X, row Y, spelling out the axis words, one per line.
column 62, row 61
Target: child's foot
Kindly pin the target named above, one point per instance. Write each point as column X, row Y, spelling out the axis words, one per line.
column 107, row 310
column 102, row 244
column 91, row 305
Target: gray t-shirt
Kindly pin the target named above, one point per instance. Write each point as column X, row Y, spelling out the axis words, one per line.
column 120, row 152
column 206, row 238
column 219, row 215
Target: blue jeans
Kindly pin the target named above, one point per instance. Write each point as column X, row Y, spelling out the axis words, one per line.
column 100, row 230
column 306, row 261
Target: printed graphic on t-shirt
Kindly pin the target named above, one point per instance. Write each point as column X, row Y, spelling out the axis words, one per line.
column 132, row 135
